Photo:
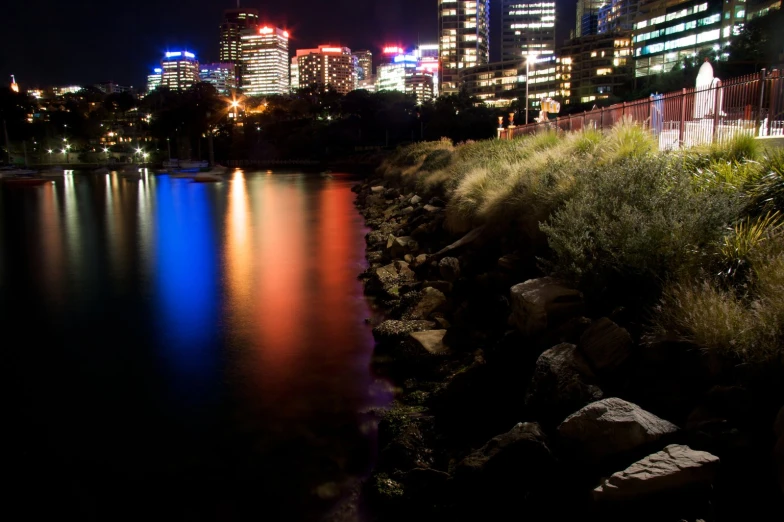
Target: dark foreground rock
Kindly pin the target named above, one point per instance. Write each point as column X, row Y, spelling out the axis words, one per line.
column 539, row 304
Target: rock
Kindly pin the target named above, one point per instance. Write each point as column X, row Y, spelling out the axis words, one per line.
column 406, row 211
column 442, row 286
column 515, row 461
column 606, row 345
column 415, row 200
column 377, row 189
column 437, row 202
column 375, row 239
column 389, row 276
column 428, row 342
column 398, row 247
column 421, row 259
column 538, row 304
column 778, row 426
column 510, row 262
column 449, row 267
column 722, row 421
column 391, row 193
column 612, row 426
column 672, row 469
column 562, row 383
column 431, row 300
column 442, row 323
column 431, row 208
column 393, row 331
column 402, row 433
column 376, row 256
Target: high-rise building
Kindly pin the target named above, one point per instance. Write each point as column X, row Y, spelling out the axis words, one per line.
column 588, row 17
column 265, row 61
column 602, row 66
column 464, row 38
column 364, row 63
column 222, row 76
column 528, row 28
column 112, row 88
column 234, row 22
column 409, row 73
column 154, row 79
column 616, row 15
column 668, row 31
column 294, row 73
column 180, row 70
column 329, row 67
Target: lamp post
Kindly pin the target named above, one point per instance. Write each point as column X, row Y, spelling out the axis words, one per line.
column 527, row 57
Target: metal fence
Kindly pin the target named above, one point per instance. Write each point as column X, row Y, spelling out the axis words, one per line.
column 750, row 105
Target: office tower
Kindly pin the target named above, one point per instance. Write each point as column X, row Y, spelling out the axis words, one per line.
column 265, row 61
column 588, row 17
column 602, row 66
column 294, row 73
column 329, row 67
column 180, row 70
column 666, row 32
column 154, row 79
column 222, row 76
column 365, row 64
column 408, row 73
column 528, row 28
column 616, row 15
column 464, row 38
column 234, row 22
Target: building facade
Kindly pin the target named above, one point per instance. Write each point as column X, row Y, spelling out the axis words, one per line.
column 235, row 21
column 616, row 15
column 602, row 66
column 180, row 70
column 528, row 28
column 364, row 63
column 668, row 31
column 222, row 76
column 154, row 79
column 587, row 21
column 499, row 84
column 464, row 39
column 329, row 67
column 265, row 61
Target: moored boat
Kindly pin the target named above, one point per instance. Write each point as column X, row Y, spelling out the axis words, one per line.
column 213, row 176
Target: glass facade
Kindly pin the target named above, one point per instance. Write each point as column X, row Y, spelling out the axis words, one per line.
column 464, row 38
column 265, row 61
column 364, row 64
column 528, row 28
column 222, row 76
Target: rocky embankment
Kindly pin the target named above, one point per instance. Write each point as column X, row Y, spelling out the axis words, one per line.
column 516, row 401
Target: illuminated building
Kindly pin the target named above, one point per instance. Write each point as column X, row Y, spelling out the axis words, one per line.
column 14, row 85
column 68, row 89
column 408, row 73
column 365, row 64
column 222, row 76
column 763, row 8
column 528, row 28
column 329, row 67
column 464, row 38
column 112, row 88
column 265, row 61
column 294, row 74
column 668, row 31
column 499, row 84
column 602, row 66
column 368, row 84
column 180, row 70
column 154, row 79
column 616, row 15
column 588, row 17
column 235, row 21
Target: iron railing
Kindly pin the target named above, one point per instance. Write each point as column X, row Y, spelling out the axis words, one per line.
column 748, row 105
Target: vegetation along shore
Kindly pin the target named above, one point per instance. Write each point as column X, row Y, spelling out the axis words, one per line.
column 578, row 326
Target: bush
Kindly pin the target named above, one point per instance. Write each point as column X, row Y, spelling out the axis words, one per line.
column 767, row 192
column 627, row 140
column 637, row 220
column 746, row 237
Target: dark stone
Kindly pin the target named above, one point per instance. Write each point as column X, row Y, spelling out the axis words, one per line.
column 449, row 267
column 606, row 345
column 391, row 193
column 722, row 420
column 437, row 202
column 539, row 304
column 392, row 331
column 562, row 383
column 442, row 286
column 430, row 300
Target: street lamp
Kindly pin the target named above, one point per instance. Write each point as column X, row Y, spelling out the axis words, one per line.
column 527, row 57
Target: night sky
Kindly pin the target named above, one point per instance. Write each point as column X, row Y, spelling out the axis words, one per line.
column 54, row 42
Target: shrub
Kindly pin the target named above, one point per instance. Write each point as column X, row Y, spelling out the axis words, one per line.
column 627, row 140
column 637, row 219
column 767, row 192
column 746, row 237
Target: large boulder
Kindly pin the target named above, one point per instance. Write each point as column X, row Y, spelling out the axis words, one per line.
column 611, row 427
column 391, row 331
column 674, row 468
column 513, row 461
column 398, row 247
column 449, row 267
column 538, row 304
column 430, row 300
column 562, row 383
column 606, row 345
column 389, row 278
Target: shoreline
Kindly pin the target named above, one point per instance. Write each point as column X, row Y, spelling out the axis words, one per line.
column 510, row 386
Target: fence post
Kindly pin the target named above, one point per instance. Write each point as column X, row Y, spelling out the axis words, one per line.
column 682, row 129
column 774, row 96
column 716, row 110
column 623, row 110
column 757, row 129
column 584, row 119
column 601, row 118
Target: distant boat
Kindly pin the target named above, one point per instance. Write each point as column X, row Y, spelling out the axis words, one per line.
column 213, row 176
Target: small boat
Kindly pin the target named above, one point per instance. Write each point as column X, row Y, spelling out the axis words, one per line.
column 213, row 176
column 171, row 164
column 53, row 172
column 101, row 171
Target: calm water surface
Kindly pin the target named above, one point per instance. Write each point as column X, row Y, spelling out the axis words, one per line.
column 183, row 351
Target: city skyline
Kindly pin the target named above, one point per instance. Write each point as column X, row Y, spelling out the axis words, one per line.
column 127, row 47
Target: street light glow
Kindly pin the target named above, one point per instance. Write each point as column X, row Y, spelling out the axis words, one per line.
column 139, row 151
column 105, row 149
column 50, row 151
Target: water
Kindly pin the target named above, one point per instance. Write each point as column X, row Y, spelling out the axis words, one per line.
column 181, row 350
